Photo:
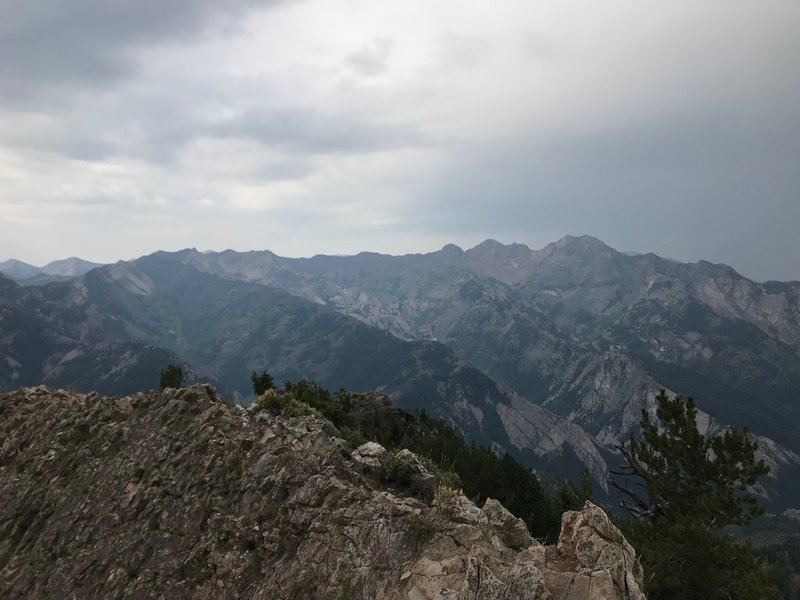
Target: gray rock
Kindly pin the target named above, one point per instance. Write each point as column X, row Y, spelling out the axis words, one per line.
column 512, row 529
column 370, row 456
column 153, row 496
column 422, row 482
column 463, row 510
column 605, row 562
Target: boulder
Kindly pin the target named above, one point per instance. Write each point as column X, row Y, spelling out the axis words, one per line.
column 370, row 456
column 512, row 529
column 463, row 510
column 593, row 560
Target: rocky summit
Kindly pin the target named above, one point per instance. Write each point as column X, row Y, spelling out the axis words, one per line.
column 176, row 494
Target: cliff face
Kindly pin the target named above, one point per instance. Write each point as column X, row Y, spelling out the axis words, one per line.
column 175, row 494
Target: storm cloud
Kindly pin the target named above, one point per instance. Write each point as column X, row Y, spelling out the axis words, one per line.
column 95, row 42
column 335, row 127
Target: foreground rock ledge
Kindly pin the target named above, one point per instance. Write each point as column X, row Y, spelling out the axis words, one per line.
column 175, row 494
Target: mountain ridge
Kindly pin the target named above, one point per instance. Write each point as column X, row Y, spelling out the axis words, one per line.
column 56, row 270
column 229, row 328
column 176, row 494
column 577, row 327
column 581, row 330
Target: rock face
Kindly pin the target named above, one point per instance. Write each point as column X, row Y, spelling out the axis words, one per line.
column 175, row 494
column 606, row 562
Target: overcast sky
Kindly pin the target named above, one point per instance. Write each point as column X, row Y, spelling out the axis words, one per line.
column 337, row 126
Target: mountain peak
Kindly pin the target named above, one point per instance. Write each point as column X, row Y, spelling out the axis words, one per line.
column 582, row 245
column 70, row 267
column 13, row 262
column 489, row 244
column 581, row 241
column 18, row 270
column 451, row 250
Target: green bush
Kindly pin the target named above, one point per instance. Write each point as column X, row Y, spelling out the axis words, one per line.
column 397, row 470
column 270, row 400
column 296, row 408
column 172, row 377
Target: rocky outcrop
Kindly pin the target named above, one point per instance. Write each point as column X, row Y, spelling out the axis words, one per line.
column 175, row 494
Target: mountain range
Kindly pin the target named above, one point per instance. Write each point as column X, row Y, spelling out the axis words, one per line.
column 58, row 270
column 113, row 329
column 548, row 354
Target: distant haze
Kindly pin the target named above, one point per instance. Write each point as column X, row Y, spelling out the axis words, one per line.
column 309, row 127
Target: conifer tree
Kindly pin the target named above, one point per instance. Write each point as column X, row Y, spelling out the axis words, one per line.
column 682, row 487
column 261, row 383
column 172, row 377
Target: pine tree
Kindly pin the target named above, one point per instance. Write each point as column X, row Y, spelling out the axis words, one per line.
column 172, row 377
column 262, row 383
column 686, row 487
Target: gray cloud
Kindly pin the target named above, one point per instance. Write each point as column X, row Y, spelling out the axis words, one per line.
column 461, row 50
column 52, row 43
column 373, row 58
column 690, row 186
column 340, row 127
column 314, row 130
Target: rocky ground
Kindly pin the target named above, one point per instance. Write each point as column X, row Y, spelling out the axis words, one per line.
column 175, row 494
